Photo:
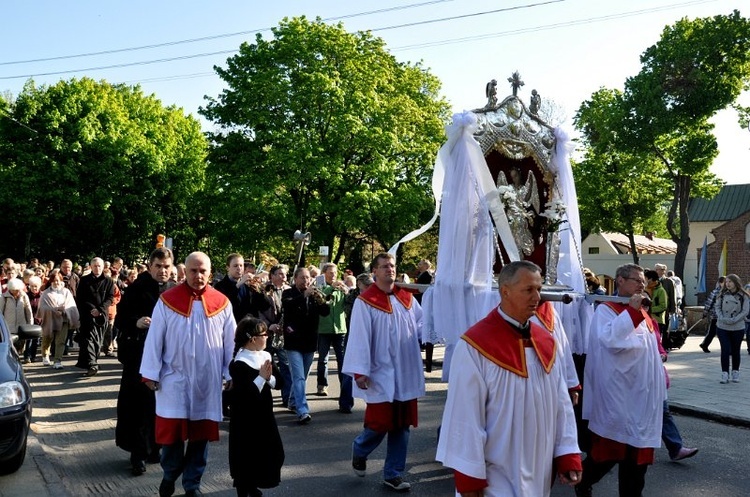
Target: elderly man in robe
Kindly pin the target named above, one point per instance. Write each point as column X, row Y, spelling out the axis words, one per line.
column 624, row 388
column 383, row 357
column 508, row 421
column 185, row 358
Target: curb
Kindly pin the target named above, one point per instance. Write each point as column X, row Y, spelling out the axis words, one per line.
column 709, row 415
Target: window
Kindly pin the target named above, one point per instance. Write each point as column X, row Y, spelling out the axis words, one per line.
column 595, row 250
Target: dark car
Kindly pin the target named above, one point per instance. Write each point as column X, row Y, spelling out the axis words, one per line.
column 15, row 398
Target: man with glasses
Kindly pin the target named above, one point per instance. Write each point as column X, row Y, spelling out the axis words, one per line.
column 384, row 358
column 625, row 388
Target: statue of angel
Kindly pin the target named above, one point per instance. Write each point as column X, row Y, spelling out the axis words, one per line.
column 536, row 102
column 521, row 199
column 490, row 91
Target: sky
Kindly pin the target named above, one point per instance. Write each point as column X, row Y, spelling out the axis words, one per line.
column 565, row 49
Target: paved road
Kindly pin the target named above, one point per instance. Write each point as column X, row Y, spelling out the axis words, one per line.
column 73, row 451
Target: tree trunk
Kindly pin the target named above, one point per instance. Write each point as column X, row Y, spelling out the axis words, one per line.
column 633, row 249
column 682, row 196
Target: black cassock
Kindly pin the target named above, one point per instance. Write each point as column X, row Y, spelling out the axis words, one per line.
column 256, row 452
column 136, row 404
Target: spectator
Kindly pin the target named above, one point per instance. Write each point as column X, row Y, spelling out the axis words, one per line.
column 57, row 312
column 732, row 307
column 709, row 312
column 16, row 308
column 33, row 291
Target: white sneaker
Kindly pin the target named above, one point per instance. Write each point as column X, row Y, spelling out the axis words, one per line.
column 45, row 361
column 735, row 376
column 57, row 365
column 724, row 377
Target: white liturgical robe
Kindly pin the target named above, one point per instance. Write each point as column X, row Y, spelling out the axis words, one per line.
column 384, row 346
column 189, row 356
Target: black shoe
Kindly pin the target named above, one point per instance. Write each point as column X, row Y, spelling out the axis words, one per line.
column 704, row 348
column 304, row 419
column 138, row 468
column 166, row 488
column 91, row 372
column 345, row 410
column 583, row 491
column 193, row 493
column 398, row 484
column 359, row 465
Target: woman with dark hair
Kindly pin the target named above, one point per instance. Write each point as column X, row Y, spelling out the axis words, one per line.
column 256, row 453
column 732, row 307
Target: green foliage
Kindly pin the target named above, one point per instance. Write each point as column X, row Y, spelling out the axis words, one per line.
column 661, row 121
column 324, row 131
column 97, row 169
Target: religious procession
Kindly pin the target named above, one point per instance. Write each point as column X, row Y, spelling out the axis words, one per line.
column 543, row 366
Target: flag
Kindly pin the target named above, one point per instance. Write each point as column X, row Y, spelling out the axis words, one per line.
column 702, row 268
column 723, row 260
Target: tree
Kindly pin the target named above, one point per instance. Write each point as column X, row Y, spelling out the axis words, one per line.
column 696, row 69
column 324, row 131
column 97, row 169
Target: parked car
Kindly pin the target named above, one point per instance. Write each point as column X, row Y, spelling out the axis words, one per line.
column 15, row 398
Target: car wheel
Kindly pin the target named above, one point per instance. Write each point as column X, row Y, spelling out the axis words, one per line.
column 13, row 464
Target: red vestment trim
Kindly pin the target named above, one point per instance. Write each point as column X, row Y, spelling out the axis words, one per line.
column 168, row 431
column 636, row 315
column 498, row 341
column 466, row 483
column 180, row 300
column 383, row 417
column 377, row 298
column 546, row 314
column 605, row 449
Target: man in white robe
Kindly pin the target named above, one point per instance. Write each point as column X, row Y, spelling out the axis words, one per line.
column 508, row 420
column 383, row 356
column 624, row 387
column 186, row 356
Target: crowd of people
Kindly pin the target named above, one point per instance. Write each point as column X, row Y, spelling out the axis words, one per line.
column 196, row 348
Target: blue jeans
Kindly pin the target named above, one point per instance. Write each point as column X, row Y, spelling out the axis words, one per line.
column 286, row 374
column 747, row 336
column 191, row 463
column 395, row 455
column 670, row 435
column 731, row 343
column 299, row 363
column 325, row 342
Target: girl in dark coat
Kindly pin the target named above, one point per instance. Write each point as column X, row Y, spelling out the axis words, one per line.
column 256, row 453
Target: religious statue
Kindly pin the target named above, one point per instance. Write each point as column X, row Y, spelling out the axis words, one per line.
column 490, row 92
column 521, row 199
column 536, row 102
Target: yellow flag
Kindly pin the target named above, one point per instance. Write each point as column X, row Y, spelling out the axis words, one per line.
column 723, row 260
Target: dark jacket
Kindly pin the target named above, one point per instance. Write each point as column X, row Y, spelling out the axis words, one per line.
column 244, row 300
column 94, row 292
column 300, row 315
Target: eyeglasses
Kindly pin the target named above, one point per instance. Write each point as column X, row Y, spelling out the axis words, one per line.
column 637, row 280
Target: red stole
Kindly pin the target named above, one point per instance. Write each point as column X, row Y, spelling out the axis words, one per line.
column 377, row 298
column 180, row 300
column 499, row 342
column 636, row 316
column 546, row 314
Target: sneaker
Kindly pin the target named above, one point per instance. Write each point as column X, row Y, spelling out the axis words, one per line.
column 397, row 484
column 304, row 419
column 25, row 360
column 724, row 377
column 45, row 360
column 735, row 376
column 57, row 365
column 359, row 465
column 684, row 453
column 322, row 391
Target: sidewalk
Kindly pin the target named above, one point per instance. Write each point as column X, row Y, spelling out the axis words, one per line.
column 695, row 389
